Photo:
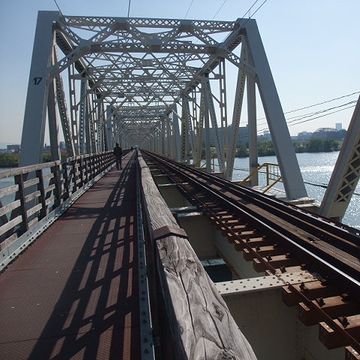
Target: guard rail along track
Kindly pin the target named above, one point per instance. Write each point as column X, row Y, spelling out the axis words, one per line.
column 279, row 237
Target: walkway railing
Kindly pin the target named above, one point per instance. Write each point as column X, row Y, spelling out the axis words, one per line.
column 272, row 173
column 34, row 196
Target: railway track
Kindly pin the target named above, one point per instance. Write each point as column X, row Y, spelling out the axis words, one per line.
column 278, row 238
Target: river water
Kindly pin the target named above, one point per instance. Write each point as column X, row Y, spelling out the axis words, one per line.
column 315, row 168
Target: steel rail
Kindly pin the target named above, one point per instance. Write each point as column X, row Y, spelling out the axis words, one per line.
column 210, row 198
column 328, row 261
column 315, row 224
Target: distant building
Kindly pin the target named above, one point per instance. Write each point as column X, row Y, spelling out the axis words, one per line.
column 304, row 135
column 242, row 139
column 338, row 126
column 13, row 148
column 265, row 136
column 329, row 133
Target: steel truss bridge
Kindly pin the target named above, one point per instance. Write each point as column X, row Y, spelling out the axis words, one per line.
column 123, row 256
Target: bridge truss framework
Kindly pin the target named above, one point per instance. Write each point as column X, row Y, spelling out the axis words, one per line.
column 157, row 83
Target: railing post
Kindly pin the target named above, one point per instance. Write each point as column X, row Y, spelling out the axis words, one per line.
column 19, row 180
column 74, row 168
column 57, row 182
column 81, row 170
column 41, row 188
column 65, row 172
column 92, row 166
column 86, row 170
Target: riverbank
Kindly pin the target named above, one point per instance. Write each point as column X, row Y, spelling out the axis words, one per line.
column 11, row 159
column 266, row 148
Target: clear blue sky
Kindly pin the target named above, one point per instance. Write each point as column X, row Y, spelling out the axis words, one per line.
column 312, row 46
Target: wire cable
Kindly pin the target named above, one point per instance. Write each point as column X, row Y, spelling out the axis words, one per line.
column 314, row 118
column 219, row 9
column 317, row 104
column 249, row 9
column 128, row 12
column 262, row 4
column 57, row 5
column 188, row 9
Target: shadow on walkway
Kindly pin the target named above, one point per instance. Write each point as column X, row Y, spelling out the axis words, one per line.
column 96, row 314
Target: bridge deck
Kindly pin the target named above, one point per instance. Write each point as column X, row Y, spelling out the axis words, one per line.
column 74, row 293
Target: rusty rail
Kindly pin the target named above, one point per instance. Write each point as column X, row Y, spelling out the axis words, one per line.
column 279, row 237
column 194, row 312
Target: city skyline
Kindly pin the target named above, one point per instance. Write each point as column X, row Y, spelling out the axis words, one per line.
column 309, row 66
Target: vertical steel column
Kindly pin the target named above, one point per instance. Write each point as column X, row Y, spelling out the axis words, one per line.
column 158, row 140
column 207, row 129
column 210, row 108
column 66, row 125
column 92, row 129
column 252, row 126
column 223, row 106
column 175, row 123
column 190, row 136
column 73, row 108
column 109, row 128
column 238, row 101
column 53, row 123
column 289, row 167
column 200, row 140
column 100, row 125
column 184, row 132
column 82, row 116
column 162, row 137
column 32, row 140
column 169, row 153
column 87, row 125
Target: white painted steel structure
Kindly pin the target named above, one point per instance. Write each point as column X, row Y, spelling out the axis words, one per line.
column 346, row 174
column 131, row 80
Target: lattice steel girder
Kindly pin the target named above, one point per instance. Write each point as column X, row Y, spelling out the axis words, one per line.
column 93, row 22
column 148, row 61
column 346, row 174
column 136, row 64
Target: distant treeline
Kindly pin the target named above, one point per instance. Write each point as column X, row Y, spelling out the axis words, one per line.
column 8, row 160
column 266, row 148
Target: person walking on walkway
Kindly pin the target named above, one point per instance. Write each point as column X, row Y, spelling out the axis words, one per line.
column 118, row 154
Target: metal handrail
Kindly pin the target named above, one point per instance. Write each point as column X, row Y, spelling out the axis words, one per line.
column 40, row 193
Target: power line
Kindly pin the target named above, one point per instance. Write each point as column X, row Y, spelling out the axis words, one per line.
column 299, row 117
column 316, row 117
column 249, row 9
column 317, row 104
column 304, row 116
column 322, row 102
column 57, row 5
column 188, row 9
column 218, row 10
column 262, row 4
column 128, row 12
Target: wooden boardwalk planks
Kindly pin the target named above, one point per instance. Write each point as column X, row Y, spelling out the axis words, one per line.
column 201, row 324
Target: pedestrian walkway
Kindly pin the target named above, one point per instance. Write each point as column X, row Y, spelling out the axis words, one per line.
column 74, row 293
